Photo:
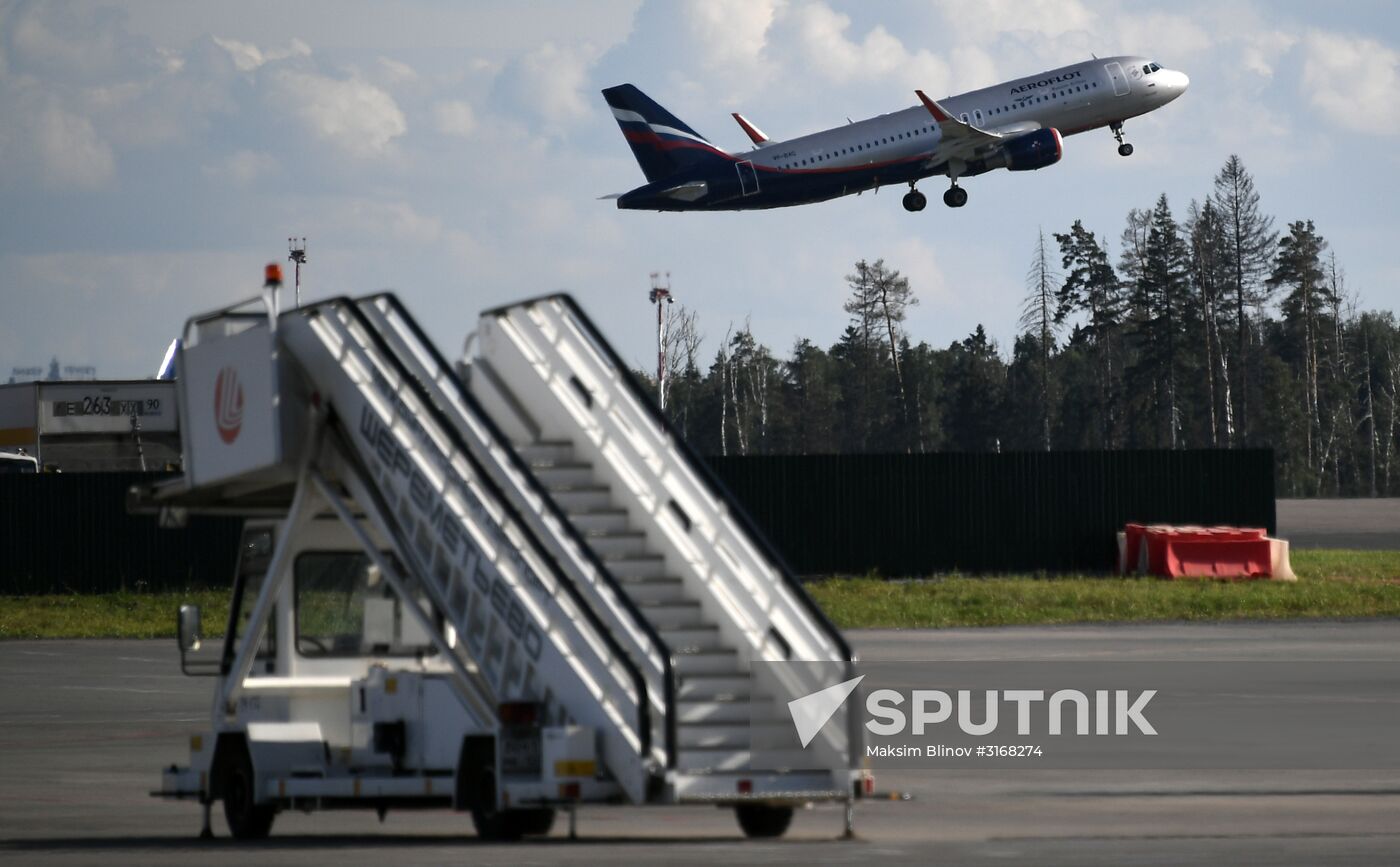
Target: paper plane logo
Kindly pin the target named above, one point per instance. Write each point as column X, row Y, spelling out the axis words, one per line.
column 811, row 712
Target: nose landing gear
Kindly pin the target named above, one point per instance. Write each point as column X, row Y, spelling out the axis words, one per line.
column 914, row 200
column 1124, row 149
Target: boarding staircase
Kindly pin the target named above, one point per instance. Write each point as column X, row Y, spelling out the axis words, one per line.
column 581, row 555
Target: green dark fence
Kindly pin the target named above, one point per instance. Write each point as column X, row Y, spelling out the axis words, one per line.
column 70, row 532
column 909, row 515
column 850, row 514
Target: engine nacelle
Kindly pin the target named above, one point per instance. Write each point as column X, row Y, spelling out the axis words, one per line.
column 1034, row 150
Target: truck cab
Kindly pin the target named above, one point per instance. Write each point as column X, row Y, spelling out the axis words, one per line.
column 349, row 702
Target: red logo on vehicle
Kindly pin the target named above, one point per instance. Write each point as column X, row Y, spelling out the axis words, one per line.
column 228, row 404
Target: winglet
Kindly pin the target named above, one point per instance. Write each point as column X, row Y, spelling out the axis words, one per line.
column 753, row 132
column 933, row 108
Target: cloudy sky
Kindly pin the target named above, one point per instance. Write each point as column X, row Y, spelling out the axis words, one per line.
column 154, row 155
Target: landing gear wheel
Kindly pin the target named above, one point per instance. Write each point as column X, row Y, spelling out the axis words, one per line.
column 247, row 819
column 1124, row 149
column 761, row 820
column 955, row 197
column 914, row 201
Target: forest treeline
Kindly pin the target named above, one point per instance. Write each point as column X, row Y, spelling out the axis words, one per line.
column 1215, row 329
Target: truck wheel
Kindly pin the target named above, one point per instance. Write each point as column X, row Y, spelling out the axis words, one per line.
column 761, row 820
column 506, row 825
column 535, row 823
column 247, row 819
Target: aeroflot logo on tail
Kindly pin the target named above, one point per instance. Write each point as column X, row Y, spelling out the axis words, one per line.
column 228, row 404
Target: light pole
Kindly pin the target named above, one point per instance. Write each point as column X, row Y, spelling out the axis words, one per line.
column 657, row 295
column 296, row 247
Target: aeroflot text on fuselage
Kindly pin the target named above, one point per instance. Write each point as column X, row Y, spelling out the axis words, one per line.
column 1017, row 125
column 1046, row 82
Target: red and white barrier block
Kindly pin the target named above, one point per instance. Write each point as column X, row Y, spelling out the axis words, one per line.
column 1170, row 551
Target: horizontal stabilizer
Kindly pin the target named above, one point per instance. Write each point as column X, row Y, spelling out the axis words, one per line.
column 753, row 132
column 687, row 192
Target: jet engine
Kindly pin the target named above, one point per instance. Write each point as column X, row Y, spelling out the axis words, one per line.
column 1034, row 150
column 1024, row 153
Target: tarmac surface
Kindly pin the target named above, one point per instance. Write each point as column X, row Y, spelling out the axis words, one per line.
column 86, row 725
column 1362, row 523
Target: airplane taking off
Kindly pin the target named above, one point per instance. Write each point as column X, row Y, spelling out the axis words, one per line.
column 1017, row 125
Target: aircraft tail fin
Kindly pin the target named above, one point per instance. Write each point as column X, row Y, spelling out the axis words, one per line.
column 661, row 142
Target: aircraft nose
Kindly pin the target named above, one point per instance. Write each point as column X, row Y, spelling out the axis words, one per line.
column 1177, row 81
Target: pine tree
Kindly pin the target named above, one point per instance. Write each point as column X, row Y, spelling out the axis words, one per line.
column 1298, row 270
column 1038, row 318
column 1249, row 240
column 1210, row 274
column 880, row 298
column 1091, row 288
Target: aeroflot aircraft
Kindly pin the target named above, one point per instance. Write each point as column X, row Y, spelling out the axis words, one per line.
column 1017, row 126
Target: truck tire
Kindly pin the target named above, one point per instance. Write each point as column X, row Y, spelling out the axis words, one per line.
column 506, row 825
column 247, row 819
column 761, row 820
column 535, row 823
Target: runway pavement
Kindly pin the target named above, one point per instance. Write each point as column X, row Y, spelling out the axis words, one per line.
column 85, row 726
column 1361, row 523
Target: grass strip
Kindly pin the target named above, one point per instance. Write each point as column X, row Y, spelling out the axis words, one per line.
column 1331, row 584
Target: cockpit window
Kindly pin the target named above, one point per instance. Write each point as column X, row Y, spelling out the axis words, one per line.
column 1151, row 68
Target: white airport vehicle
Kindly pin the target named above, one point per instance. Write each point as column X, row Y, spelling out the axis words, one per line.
column 18, row 462
column 504, row 587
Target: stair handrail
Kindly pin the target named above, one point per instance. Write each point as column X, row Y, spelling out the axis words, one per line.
column 707, row 475
column 663, row 649
column 450, row 430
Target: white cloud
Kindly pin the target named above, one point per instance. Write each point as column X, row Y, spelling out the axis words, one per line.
column 731, row 34
column 242, row 167
column 550, row 83
column 370, row 222
column 71, row 154
column 354, row 115
column 248, row 57
column 1343, row 73
column 1262, row 51
column 980, row 22
column 455, row 118
column 1170, row 38
column 818, row 35
column 396, row 72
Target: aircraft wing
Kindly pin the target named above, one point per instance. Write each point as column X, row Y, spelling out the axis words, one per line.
column 959, row 140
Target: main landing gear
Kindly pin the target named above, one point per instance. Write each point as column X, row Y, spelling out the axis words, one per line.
column 1124, row 149
column 955, row 197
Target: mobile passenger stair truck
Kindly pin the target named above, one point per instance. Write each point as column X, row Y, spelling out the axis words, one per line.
column 504, row 586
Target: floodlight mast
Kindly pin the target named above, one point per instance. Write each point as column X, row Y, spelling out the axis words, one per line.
column 660, row 293
column 296, row 248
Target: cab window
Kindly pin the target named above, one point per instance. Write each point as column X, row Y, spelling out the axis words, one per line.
column 255, row 553
column 345, row 607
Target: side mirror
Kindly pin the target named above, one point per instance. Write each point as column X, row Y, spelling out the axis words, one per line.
column 190, row 630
